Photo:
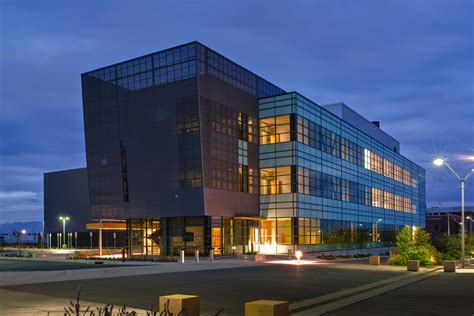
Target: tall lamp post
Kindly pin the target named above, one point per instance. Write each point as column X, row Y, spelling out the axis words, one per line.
column 439, row 162
column 64, row 219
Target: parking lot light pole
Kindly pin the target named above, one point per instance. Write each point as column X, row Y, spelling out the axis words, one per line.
column 64, row 219
column 439, row 162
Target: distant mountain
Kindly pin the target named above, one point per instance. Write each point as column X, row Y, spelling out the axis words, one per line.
column 30, row 227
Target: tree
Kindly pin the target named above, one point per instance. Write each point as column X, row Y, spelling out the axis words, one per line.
column 421, row 249
column 404, row 241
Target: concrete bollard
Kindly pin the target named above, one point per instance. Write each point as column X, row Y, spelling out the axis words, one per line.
column 182, row 256
column 413, row 265
column 449, row 266
column 374, row 260
column 290, row 254
column 177, row 304
column 197, row 256
column 211, row 256
column 267, row 308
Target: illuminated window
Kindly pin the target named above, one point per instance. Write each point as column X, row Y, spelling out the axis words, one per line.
column 367, row 159
column 275, row 180
column 275, row 130
column 406, row 177
column 398, row 173
column 389, row 202
column 268, row 232
column 377, row 197
column 284, row 231
column 388, row 168
column 309, row 231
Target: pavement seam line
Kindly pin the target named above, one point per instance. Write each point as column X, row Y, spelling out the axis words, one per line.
column 362, row 296
column 311, row 302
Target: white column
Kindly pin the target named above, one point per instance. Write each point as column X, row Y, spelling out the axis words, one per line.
column 100, row 241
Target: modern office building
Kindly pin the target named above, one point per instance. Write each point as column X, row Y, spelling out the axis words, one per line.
column 190, row 150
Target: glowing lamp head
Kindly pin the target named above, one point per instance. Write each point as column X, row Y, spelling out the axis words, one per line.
column 438, row 162
column 298, row 254
column 23, row 232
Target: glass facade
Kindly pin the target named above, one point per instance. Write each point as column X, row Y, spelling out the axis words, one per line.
column 191, row 148
column 183, row 62
column 341, row 186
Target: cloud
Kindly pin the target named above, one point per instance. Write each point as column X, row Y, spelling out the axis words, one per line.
column 20, row 205
column 404, row 63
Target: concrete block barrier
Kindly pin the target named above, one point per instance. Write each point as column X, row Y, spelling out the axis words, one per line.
column 260, row 257
column 180, row 303
column 267, row 308
column 374, row 260
column 449, row 266
column 413, row 265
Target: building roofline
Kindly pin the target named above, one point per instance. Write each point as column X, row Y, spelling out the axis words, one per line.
column 182, row 45
column 65, row 170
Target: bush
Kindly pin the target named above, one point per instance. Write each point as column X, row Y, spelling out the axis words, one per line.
column 421, row 249
column 449, row 247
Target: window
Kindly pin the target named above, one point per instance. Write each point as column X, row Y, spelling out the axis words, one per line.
column 309, row 231
column 302, row 130
column 243, row 152
column 284, row 231
column 243, row 122
column 275, row 130
column 372, row 161
column 243, row 178
column 398, row 173
column 388, row 168
column 275, row 180
column 377, row 197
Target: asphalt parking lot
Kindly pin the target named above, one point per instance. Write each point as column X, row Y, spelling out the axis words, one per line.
column 225, row 288
column 45, row 265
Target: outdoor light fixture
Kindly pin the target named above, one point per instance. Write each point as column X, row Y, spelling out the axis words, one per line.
column 23, row 232
column 440, row 162
column 64, row 219
column 298, row 255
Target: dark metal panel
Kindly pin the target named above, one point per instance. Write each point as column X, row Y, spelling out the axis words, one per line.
column 66, row 194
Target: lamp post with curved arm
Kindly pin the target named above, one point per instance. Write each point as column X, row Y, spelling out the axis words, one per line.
column 440, row 162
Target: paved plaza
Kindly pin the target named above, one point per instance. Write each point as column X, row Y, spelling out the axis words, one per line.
column 229, row 283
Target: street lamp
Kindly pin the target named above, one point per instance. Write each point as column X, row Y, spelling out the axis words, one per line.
column 64, row 219
column 439, row 162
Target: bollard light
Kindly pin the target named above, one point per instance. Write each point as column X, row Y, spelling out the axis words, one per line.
column 298, row 255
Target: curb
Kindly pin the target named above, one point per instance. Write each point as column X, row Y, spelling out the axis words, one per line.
column 333, row 301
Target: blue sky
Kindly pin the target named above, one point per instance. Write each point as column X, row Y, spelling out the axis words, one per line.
column 406, row 63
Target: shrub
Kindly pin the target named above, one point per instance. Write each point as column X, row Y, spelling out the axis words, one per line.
column 421, row 249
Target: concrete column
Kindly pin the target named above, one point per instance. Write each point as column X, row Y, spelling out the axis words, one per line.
column 100, row 241
column 211, row 256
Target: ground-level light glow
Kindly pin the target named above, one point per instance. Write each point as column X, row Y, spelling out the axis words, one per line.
column 298, row 255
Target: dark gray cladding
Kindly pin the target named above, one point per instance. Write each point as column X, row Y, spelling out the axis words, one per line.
column 66, row 194
column 155, row 138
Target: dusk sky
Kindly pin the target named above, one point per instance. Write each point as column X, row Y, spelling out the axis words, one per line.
column 407, row 63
